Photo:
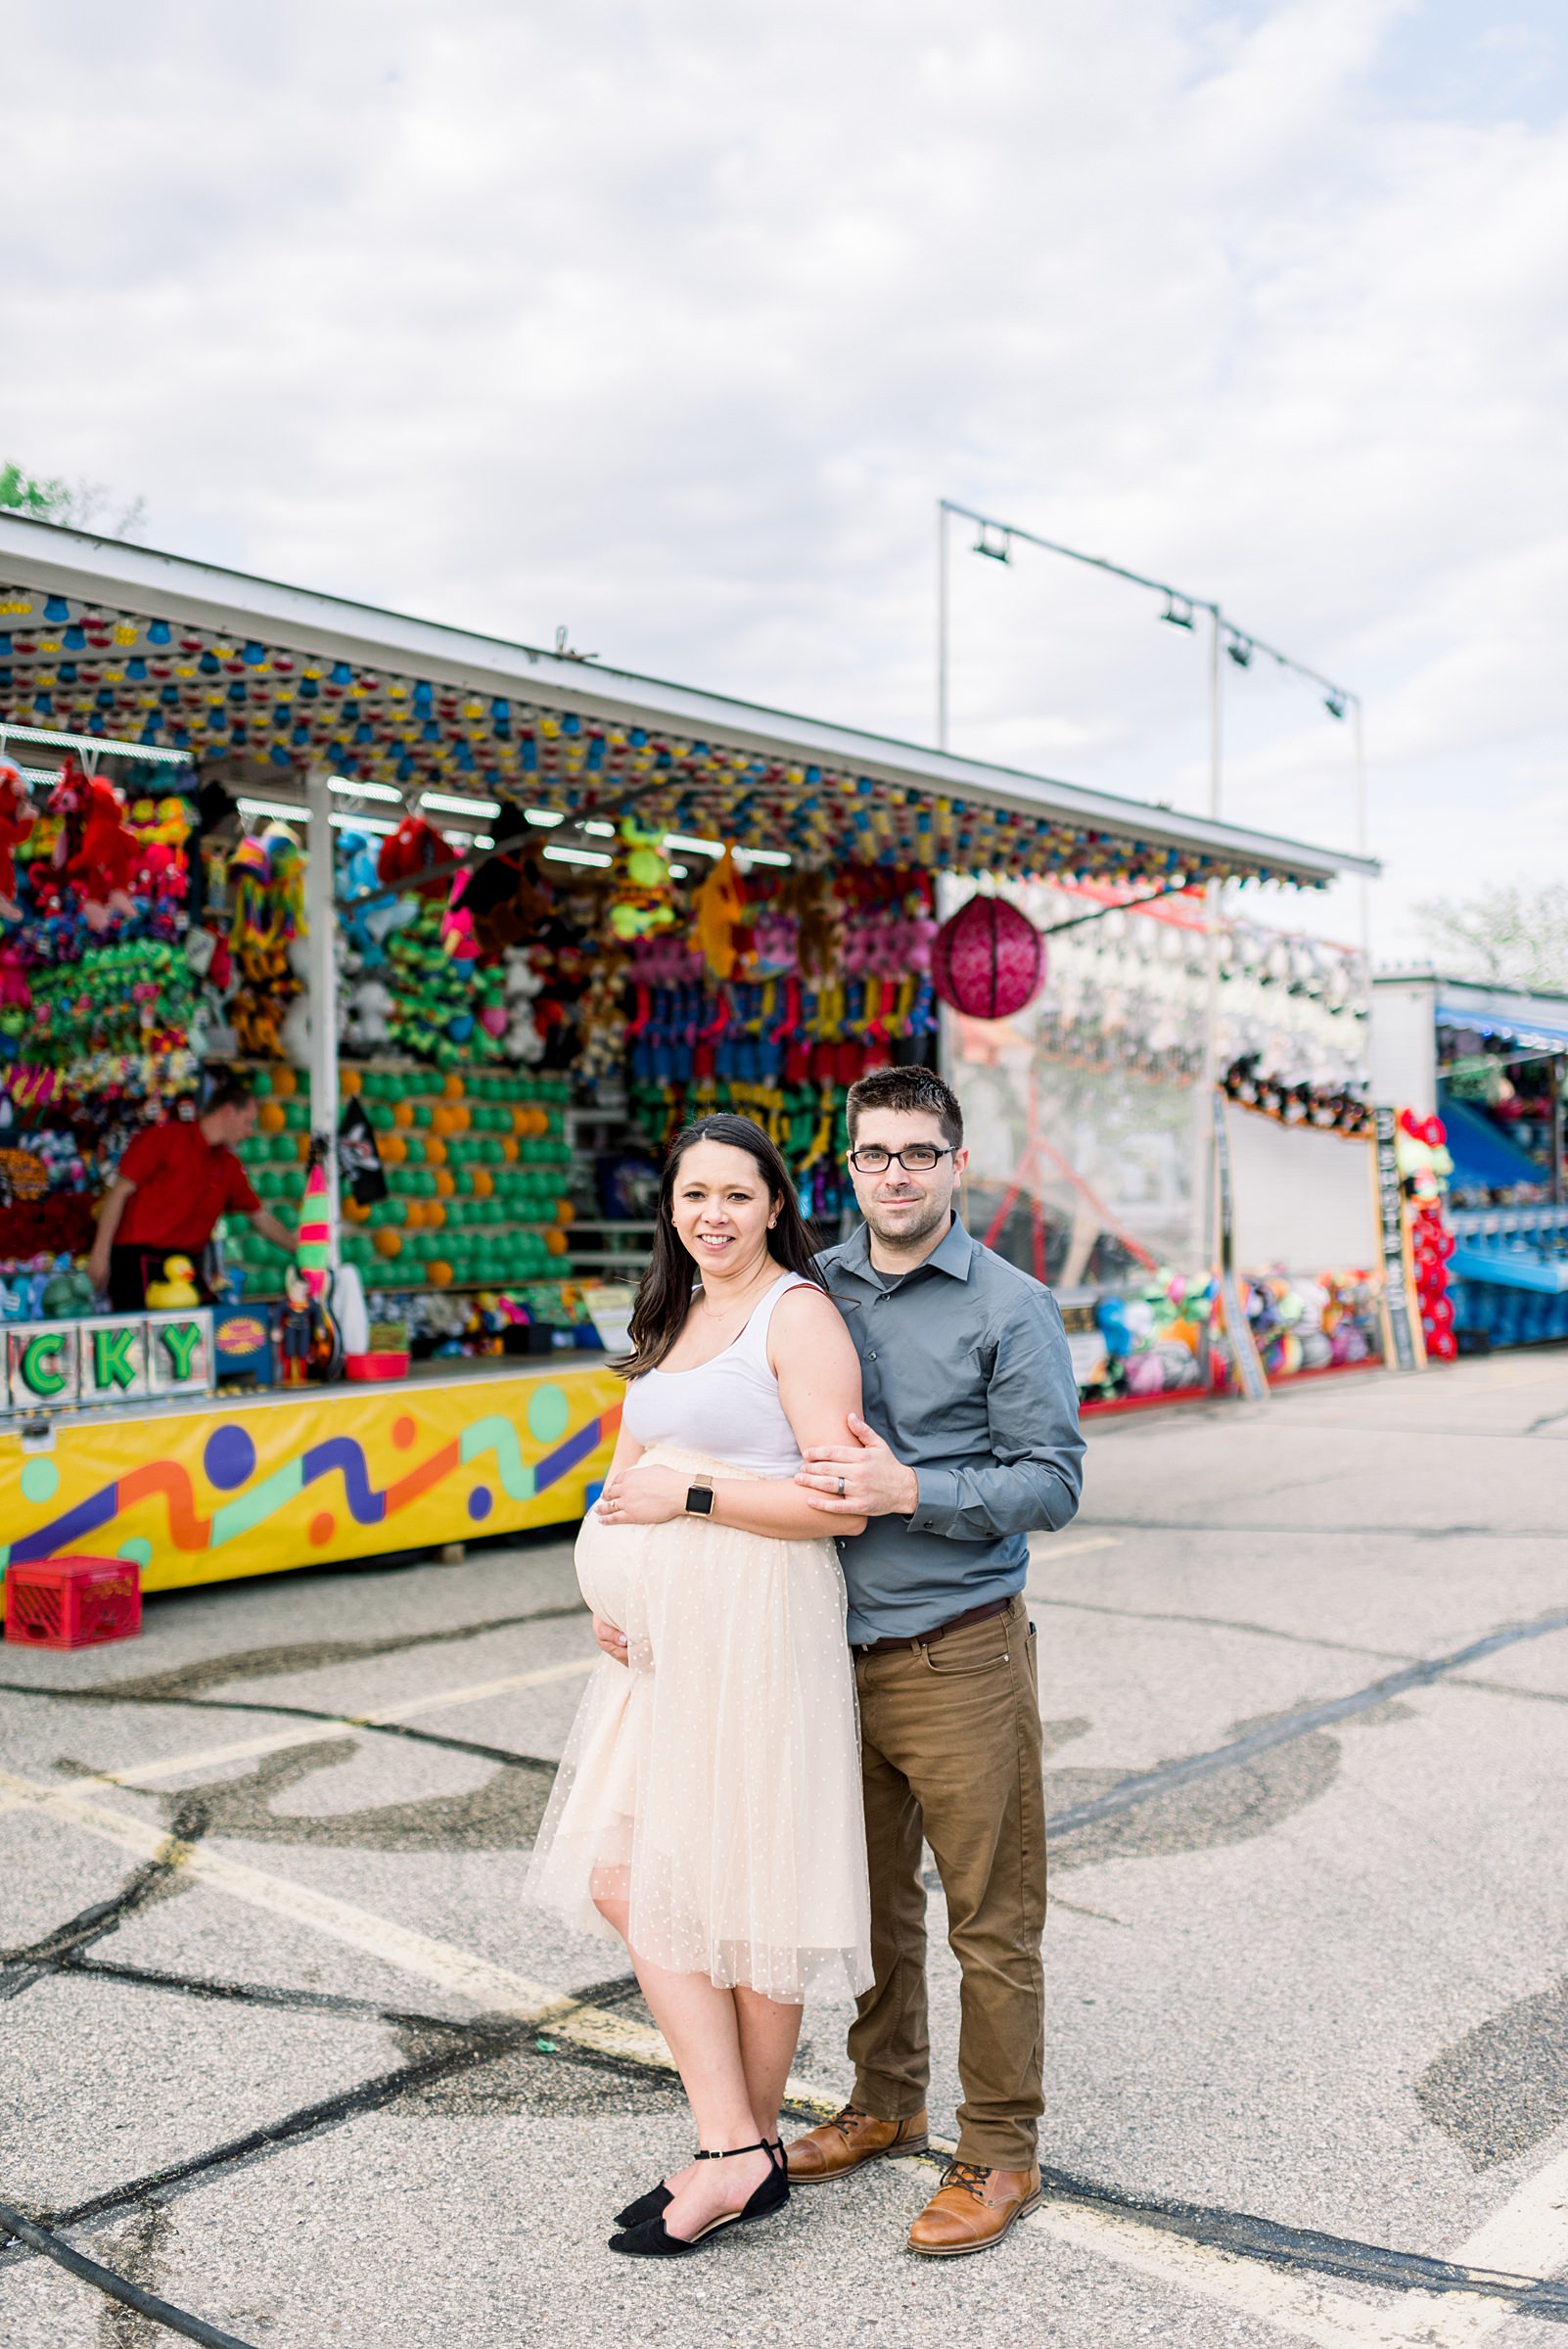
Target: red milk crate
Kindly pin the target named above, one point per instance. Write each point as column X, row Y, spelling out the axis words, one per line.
column 73, row 1602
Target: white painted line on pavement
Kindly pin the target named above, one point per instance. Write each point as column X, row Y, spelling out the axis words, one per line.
column 493, row 1989
column 1297, row 2304
column 1527, row 2236
column 273, row 1741
column 1072, row 1549
column 1328, row 2319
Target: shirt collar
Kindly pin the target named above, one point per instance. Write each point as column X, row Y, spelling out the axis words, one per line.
column 954, row 1256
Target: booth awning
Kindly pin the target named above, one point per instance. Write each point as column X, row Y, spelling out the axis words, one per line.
column 100, row 638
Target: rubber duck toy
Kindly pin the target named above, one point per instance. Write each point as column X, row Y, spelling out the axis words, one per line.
column 176, row 1291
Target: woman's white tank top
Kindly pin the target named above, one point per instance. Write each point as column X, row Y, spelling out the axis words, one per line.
column 729, row 1407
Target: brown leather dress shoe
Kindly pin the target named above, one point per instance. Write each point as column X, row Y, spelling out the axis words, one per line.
column 847, row 2141
column 972, row 2209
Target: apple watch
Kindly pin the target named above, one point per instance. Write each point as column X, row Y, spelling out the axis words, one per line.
column 700, row 1496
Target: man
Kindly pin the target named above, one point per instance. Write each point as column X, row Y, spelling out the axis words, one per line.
column 173, row 1182
column 966, row 1368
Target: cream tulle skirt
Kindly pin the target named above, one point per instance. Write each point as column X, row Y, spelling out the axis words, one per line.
column 714, row 1783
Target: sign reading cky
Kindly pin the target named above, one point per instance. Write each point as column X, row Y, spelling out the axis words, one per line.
column 61, row 1365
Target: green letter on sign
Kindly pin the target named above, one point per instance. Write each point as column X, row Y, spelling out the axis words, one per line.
column 182, row 1339
column 39, row 1363
column 111, row 1366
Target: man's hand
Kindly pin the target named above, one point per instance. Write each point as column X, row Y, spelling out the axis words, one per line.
column 98, row 1267
column 861, row 1479
column 613, row 1642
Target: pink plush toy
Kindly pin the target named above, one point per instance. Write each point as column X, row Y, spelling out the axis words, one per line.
column 15, row 993
column 16, row 820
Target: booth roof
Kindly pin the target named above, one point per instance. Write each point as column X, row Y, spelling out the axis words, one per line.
column 1531, row 1018
column 97, row 638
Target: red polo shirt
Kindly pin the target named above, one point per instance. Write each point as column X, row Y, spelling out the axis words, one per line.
column 183, row 1184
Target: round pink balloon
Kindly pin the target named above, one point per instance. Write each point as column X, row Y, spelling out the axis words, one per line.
column 989, row 961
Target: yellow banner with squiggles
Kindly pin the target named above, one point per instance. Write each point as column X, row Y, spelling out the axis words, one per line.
column 257, row 1484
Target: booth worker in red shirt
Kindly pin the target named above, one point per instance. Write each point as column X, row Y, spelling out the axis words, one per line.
column 175, row 1182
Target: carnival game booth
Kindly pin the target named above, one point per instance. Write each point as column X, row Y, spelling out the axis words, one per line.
column 1490, row 1063
column 480, row 925
column 1091, row 1129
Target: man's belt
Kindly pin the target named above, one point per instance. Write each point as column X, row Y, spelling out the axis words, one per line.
column 957, row 1623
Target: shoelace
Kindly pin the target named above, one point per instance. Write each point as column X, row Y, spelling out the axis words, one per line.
column 970, row 2175
column 843, row 2122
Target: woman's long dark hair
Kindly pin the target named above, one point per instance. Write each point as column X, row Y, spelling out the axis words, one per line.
column 663, row 1294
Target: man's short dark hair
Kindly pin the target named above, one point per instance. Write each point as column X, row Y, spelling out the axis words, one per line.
column 906, row 1090
column 229, row 1092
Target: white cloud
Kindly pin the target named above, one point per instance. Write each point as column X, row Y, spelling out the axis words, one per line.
column 672, row 323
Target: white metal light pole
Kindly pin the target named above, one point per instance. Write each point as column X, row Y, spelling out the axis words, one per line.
column 943, row 511
column 322, row 942
column 1224, row 636
column 1181, row 611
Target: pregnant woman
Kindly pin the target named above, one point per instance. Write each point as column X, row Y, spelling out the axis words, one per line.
column 708, row 1804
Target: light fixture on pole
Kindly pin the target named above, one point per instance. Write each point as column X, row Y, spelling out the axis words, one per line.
column 995, row 539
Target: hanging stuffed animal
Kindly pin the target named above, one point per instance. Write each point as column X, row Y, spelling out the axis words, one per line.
column 106, row 862
column 643, row 898
column 721, row 910
column 506, row 896
column 16, row 820
column 415, row 848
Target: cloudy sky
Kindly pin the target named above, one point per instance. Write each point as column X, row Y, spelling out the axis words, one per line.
column 671, row 321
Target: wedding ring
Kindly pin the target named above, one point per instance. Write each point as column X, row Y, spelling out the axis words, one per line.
column 841, row 1488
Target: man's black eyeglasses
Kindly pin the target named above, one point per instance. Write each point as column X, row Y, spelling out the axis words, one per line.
column 918, row 1159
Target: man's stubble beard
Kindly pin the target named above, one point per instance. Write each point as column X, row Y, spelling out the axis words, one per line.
column 909, row 1235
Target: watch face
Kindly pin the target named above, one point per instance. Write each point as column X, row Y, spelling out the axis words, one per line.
column 698, row 1502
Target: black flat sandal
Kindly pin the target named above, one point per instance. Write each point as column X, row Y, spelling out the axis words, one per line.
column 658, row 2198
column 651, row 2238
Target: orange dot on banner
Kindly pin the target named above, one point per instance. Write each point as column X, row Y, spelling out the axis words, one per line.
column 270, row 1118
column 539, row 1122
column 440, row 1273
column 509, row 1151
column 520, row 1121
column 441, row 1118
column 453, row 1087
column 413, row 1214
column 435, row 1215
column 302, row 1149
column 350, row 1082
column 482, row 1183
column 352, row 1209
column 555, row 1243
column 434, row 1150
column 446, row 1183
column 323, row 1527
column 393, row 1149
column 403, row 1432
column 565, row 1211
column 388, row 1242
column 402, row 1113
column 462, row 1117
column 285, row 1084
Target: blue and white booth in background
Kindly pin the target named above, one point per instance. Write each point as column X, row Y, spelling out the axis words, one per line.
column 1462, row 1050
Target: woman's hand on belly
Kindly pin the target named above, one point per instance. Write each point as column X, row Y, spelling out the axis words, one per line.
column 613, row 1642
column 643, row 1496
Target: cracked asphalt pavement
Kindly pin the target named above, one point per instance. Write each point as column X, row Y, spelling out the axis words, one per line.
column 286, row 2056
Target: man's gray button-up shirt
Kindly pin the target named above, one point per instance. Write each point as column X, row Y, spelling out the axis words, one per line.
column 967, row 1375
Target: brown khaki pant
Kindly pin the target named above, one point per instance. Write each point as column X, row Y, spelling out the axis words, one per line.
column 951, row 1748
